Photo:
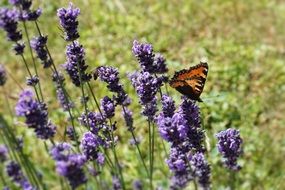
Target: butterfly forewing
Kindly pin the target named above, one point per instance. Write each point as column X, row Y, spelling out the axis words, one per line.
column 191, row 82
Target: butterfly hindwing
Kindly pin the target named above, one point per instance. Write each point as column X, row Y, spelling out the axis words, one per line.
column 191, row 82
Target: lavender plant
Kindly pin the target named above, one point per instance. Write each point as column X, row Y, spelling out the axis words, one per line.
column 95, row 135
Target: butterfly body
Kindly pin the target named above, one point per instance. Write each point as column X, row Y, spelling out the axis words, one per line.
column 190, row 82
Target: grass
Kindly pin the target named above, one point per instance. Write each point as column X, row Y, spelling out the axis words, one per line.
column 244, row 42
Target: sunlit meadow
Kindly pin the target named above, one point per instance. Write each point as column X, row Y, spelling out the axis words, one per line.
column 86, row 101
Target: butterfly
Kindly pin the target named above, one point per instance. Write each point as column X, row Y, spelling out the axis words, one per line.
column 190, row 82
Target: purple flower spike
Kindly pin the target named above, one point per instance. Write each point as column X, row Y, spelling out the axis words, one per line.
column 14, row 171
column 72, row 169
column 168, row 106
column 144, row 54
column 159, row 64
column 110, row 75
column 116, row 183
column 128, row 116
column 9, row 23
column 38, row 44
column 19, row 48
column 75, row 65
column 68, row 21
column 65, row 103
column 146, row 86
column 36, row 115
column 60, row 151
column 3, row 75
column 137, row 185
column 3, row 153
column 33, row 81
column 90, row 145
column 229, row 145
column 32, row 15
column 150, row 109
column 201, row 169
column 108, row 107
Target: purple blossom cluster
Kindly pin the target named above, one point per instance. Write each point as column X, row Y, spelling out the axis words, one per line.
column 148, row 60
column 3, row 75
column 68, row 21
column 75, row 65
column 65, row 103
column 38, row 44
column 9, row 22
column 110, row 75
column 90, row 144
column 36, row 115
column 32, row 81
column 3, row 153
column 182, row 129
column 201, row 169
column 26, row 13
column 108, row 107
column 229, row 145
column 146, row 86
column 70, row 165
column 14, row 171
column 98, row 128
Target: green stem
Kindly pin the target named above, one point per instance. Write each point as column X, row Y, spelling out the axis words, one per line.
column 150, row 153
column 33, row 59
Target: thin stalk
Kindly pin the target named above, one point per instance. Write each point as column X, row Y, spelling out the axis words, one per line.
column 150, row 153
column 33, row 58
column 116, row 157
column 137, row 146
column 94, row 98
column 30, row 74
column 152, row 147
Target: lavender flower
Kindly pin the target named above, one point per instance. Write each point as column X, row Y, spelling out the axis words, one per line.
column 68, row 21
column 201, row 169
column 19, row 48
column 149, row 110
column 90, row 145
column 33, row 81
column 3, row 75
column 159, row 64
column 72, row 169
column 146, row 86
column 34, row 111
column 94, row 119
column 65, row 103
column 31, row 15
column 108, row 107
column 3, row 153
column 116, row 183
column 137, row 185
column 166, row 130
column 38, row 44
column 168, row 106
column 26, row 4
column 60, row 151
column 144, row 54
column 71, row 133
column 75, row 65
column 229, row 145
column 45, row 131
column 9, row 23
column 14, row 171
column 110, row 75
column 68, row 164
column 36, row 115
column 128, row 116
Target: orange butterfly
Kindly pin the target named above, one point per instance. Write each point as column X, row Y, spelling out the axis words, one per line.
column 190, row 82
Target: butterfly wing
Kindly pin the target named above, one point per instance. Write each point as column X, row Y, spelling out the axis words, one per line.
column 190, row 82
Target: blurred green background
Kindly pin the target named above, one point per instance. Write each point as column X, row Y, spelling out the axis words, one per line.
column 243, row 41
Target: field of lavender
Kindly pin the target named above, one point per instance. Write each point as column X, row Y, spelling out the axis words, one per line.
column 86, row 101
